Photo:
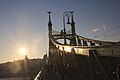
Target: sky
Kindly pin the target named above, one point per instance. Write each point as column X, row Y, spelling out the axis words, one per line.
column 23, row 23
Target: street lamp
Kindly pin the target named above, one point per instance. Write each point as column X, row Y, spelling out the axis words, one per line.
column 67, row 14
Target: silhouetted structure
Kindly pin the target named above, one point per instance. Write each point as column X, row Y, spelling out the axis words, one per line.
column 79, row 58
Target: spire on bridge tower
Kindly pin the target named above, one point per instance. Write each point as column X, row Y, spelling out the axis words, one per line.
column 72, row 23
column 49, row 23
column 49, row 32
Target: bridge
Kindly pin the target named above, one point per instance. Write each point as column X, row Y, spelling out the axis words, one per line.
column 73, row 57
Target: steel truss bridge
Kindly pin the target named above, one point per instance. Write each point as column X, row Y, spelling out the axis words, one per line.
column 73, row 57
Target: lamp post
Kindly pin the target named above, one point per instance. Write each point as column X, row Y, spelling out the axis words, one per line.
column 66, row 13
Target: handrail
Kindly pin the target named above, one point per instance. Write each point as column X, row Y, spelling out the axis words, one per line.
column 38, row 76
column 105, row 50
column 88, row 39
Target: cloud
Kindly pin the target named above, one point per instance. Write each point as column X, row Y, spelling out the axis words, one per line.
column 94, row 30
column 104, row 27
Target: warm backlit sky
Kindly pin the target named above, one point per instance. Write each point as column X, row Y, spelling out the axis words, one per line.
column 23, row 23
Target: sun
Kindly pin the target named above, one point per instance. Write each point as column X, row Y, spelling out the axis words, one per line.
column 23, row 51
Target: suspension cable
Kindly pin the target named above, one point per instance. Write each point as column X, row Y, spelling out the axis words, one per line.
column 108, row 31
column 112, row 35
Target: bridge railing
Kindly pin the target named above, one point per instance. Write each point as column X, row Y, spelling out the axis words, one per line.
column 61, row 33
column 39, row 76
column 96, row 41
column 104, row 50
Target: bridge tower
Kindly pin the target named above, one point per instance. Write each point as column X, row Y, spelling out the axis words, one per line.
column 69, row 14
column 72, row 23
column 49, row 32
column 73, row 40
column 50, row 24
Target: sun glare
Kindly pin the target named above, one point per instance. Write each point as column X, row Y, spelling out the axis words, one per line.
column 23, row 51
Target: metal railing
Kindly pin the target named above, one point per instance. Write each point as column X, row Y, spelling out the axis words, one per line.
column 39, row 76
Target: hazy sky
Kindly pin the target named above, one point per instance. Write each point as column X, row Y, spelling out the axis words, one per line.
column 23, row 23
